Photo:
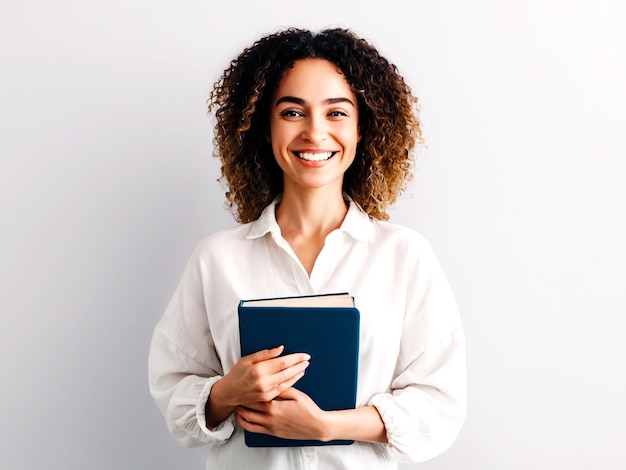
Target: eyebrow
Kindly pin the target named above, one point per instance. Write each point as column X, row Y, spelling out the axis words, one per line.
column 301, row 102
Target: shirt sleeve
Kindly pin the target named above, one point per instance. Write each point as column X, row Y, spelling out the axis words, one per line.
column 426, row 406
column 183, row 365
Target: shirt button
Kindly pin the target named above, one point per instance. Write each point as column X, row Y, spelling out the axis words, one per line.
column 309, row 455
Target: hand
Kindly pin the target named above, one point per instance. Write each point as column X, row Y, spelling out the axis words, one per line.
column 261, row 376
column 292, row 415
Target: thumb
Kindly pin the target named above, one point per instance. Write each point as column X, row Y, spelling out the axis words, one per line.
column 290, row 394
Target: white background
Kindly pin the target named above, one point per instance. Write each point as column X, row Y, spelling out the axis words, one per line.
column 107, row 183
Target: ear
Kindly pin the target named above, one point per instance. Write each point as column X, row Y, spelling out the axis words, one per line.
column 268, row 138
column 358, row 137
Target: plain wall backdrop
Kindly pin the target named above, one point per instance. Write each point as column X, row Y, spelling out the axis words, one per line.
column 108, row 182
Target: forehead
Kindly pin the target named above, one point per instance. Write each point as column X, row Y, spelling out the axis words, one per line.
column 316, row 79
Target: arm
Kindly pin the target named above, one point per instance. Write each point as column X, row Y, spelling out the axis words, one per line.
column 423, row 413
column 360, row 424
column 426, row 404
column 197, row 402
column 179, row 383
column 184, row 364
column 294, row 415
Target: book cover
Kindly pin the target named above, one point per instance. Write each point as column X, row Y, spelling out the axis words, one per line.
column 324, row 326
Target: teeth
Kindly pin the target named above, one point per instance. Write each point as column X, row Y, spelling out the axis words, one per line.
column 315, row 157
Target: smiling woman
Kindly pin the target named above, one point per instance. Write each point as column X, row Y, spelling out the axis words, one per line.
column 315, row 134
column 387, row 120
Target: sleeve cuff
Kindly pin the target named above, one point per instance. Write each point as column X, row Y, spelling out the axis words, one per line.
column 401, row 432
column 220, row 433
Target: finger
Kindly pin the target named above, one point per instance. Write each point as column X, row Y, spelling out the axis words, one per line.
column 258, row 406
column 290, row 372
column 286, row 385
column 251, row 426
column 285, row 362
column 269, row 394
column 253, row 415
column 265, row 354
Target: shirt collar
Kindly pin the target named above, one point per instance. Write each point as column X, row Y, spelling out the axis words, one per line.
column 357, row 223
column 266, row 222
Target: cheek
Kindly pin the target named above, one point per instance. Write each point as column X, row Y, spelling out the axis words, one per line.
column 281, row 135
column 279, row 150
column 276, row 152
column 350, row 137
column 276, row 140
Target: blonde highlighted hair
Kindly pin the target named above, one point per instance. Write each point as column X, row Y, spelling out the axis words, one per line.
column 387, row 120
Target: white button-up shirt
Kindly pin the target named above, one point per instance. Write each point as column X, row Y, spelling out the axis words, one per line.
column 412, row 350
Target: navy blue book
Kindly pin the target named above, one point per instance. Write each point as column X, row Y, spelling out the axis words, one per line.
column 324, row 326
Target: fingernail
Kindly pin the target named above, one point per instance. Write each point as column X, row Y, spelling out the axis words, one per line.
column 307, row 357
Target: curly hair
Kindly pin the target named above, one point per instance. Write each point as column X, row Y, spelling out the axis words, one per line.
column 388, row 122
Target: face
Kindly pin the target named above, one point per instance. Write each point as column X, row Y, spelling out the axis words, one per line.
column 314, row 126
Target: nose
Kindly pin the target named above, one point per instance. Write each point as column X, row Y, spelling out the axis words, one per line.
column 314, row 130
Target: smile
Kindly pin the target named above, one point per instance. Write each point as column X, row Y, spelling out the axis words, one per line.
column 315, row 157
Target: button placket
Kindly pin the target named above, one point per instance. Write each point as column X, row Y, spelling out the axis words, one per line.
column 309, row 458
column 299, row 274
column 325, row 259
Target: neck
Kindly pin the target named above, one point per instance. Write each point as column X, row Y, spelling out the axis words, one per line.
column 314, row 212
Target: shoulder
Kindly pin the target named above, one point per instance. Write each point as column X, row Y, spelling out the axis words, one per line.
column 225, row 237
column 403, row 246
column 403, row 237
column 222, row 244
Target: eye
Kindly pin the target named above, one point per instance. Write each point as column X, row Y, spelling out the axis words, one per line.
column 337, row 113
column 291, row 113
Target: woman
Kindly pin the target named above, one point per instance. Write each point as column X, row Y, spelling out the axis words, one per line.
column 315, row 133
